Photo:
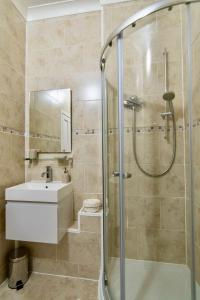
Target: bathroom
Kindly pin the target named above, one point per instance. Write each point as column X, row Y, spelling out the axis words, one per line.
column 99, row 140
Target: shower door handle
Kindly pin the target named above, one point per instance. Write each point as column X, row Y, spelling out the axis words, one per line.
column 115, row 174
column 126, row 175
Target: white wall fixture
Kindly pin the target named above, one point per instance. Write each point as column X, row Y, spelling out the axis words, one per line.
column 50, row 9
column 43, row 9
column 105, row 2
column 38, row 211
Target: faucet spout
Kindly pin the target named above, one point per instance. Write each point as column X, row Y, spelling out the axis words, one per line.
column 48, row 173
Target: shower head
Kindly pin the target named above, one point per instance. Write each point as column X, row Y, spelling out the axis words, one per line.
column 168, row 96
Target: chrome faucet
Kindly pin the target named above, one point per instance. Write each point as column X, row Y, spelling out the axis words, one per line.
column 48, row 173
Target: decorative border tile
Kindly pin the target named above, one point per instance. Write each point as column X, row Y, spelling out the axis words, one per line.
column 12, row 131
column 85, row 131
column 149, row 129
column 145, row 129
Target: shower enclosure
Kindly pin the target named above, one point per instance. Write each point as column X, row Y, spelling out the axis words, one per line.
column 151, row 154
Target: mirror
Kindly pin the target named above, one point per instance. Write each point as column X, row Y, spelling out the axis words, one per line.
column 50, row 122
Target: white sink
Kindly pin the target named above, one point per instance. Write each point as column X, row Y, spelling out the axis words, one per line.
column 39, row 212
column 39, row 191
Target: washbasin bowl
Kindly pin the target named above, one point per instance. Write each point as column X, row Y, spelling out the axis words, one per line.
column 39, row 191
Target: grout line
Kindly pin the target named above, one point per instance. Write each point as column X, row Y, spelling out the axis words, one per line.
column 64, row 276
column 11, row 131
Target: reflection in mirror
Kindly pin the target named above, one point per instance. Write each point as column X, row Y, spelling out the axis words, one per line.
column 50, row 121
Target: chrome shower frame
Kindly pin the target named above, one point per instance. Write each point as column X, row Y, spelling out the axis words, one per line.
column 118, row 35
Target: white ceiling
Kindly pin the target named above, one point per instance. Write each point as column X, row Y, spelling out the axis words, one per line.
column 47, row 2
column 33, row 3
column 43, row 9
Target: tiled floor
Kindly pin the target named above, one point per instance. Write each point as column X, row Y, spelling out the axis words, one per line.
column 47, row 287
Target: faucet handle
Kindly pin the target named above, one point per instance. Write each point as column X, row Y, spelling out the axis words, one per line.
column 49, row 173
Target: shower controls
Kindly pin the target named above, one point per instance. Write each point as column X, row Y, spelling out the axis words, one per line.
column 133, row 102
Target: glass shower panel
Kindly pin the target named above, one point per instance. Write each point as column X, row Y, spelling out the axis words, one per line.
column 154, row 155
column 111, row 214
column 195, row 125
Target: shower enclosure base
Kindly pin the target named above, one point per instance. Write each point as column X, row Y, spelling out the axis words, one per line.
column 147, row 280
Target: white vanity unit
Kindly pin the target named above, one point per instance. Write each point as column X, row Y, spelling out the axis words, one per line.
column 39, row 212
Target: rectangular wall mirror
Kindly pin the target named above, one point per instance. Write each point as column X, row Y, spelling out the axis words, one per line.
column 50, row 122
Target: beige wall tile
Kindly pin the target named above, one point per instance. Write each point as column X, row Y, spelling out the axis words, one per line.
column 89, row 243
column 160, row 245
column 131, row 243
column 87, row 148
column 90, row 224
column 171, row 185
column 13, row 21
column 82, row 29
column 173, row 213
column 55, row 267
column 93, row 178
column 12, row 83
column 88, row 290
column 12, row 99
column 172, row 246
column 169, row 19
column 11, row 52
column 144, row 212
column 3, row 273
column 92, row 115
column 78, row 176
column 89, row 271
column 6, row 246
column 46, row 34
column 195, row 16
column 40, row 250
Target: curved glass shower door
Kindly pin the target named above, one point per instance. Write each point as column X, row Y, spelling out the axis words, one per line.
column 111, row 167
column 151, row 143
column 154, row 146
